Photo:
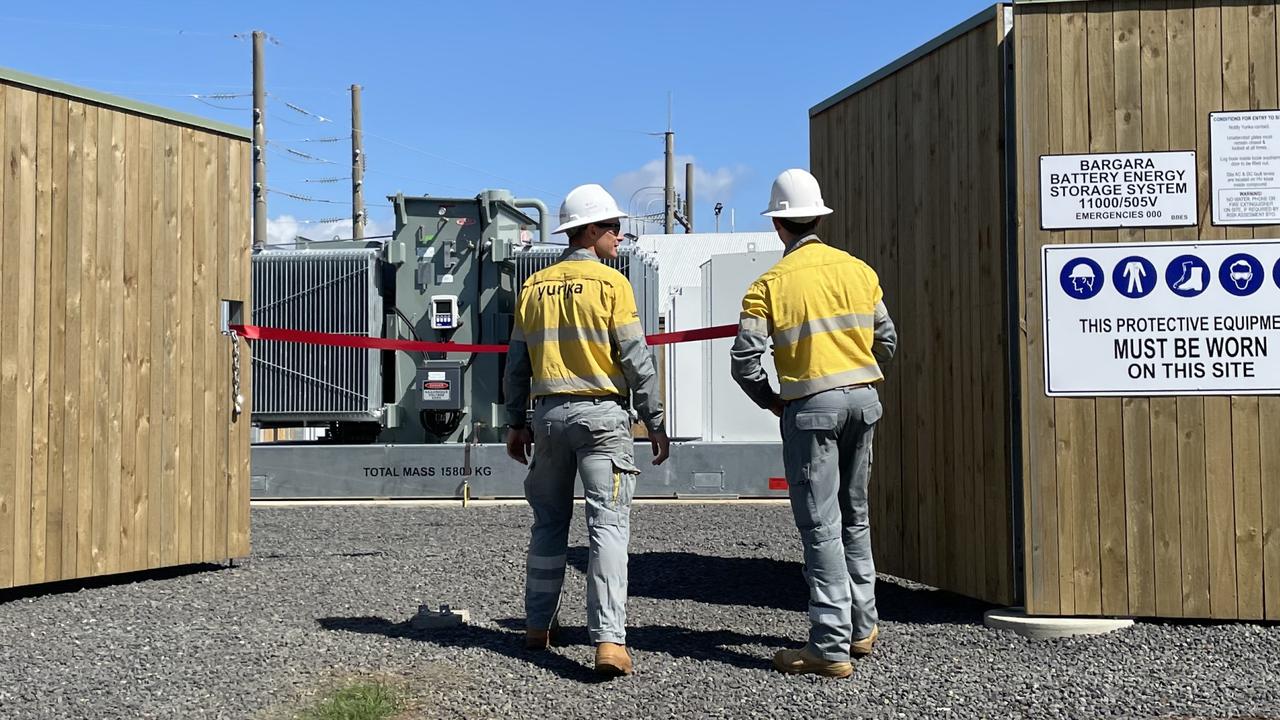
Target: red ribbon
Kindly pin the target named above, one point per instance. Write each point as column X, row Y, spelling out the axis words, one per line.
column 257, row 332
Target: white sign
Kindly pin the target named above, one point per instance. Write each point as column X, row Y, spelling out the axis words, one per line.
column 1245, row 149
column 1162, row 318
column 1153, row 189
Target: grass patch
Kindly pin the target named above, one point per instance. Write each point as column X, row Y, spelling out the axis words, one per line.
column 359, row 701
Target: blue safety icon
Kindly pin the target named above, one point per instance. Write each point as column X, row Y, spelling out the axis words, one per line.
column 1241, row 274
column 1082, row 278
column 1275, row 273
column 1187, row 276
column 1134, row 277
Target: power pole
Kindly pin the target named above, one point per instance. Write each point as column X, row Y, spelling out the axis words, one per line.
column 688, row 197
column 669, row 222
column 357, row 168
column 259, row 144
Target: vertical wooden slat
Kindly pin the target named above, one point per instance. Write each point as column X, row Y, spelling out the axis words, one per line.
column 925, row 91
column 171, row 442
column 115, row 377
column 888, row 122
column 209, row 321
column 1040, row 469
column 1187, row 413
column 196, row 317
column 240, row 264
column 105, row 206
column 908, row 356
column 1118, row 128
column 43, row 329
column 162, row 245
column 58, row 294
column 997, row 385
column 129, row 535
column 967, row 329
column 184, row 329
column 1079, row 78
column 71, row 362
column 1161, row 464
column 10, row 131
column 1136, row 574
column 1245, row 417
column 25, row 308
column 224, row 208
column 1268, row 431
column 1103, row 509
column 143, row 486
column 951, row 491
column 1219, row 486
column 1263, row 62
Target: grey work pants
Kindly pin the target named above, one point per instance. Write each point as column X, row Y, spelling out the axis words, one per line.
column 592, row 438
column 826, row 446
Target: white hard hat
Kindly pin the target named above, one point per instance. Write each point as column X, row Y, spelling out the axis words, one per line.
column 1082, row 270
column 587, row 204
column 796, row 195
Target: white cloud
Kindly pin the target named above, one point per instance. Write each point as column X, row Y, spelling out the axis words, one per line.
column 286, row 229
column 635, row 189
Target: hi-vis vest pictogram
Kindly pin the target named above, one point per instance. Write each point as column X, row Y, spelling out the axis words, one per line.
column 818, row 305
column 572, row 316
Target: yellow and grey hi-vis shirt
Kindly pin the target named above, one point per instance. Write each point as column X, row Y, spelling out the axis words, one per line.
column 577, row 332
column 824, row 311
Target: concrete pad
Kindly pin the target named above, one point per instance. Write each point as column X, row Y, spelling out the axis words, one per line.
column 1044, row 627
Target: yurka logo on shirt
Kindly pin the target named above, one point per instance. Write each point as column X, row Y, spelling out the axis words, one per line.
column 568, row 287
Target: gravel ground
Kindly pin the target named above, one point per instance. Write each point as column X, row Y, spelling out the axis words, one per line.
column 715, row 589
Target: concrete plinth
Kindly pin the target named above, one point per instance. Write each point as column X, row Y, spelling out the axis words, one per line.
column 1040, row 628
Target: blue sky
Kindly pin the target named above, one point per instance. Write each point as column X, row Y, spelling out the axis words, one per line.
column 458, row 97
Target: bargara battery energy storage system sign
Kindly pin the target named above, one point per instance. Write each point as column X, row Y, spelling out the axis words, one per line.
column 1162, row 318
column 1150, row 189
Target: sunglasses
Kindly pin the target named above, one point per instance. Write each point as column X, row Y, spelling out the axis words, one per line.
column 611, row 227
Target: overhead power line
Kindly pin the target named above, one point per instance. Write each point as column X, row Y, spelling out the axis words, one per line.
column 460, row 164
column 304, row 198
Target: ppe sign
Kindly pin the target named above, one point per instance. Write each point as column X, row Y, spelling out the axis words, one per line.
column 1138, row 319
column 1152, row 189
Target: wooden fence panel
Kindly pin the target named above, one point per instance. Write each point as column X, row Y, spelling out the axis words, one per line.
column 120, row 232
column 912, row 165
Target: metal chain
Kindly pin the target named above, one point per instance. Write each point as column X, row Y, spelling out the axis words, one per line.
column 237, row 399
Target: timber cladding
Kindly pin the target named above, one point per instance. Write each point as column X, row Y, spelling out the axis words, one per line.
column 120, row 233
column 912, row 165
column 1156, row 506
column 983, row 484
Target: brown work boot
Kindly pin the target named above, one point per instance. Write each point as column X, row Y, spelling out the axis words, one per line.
column 862, row 648
column 612, row 659
column 800, row 662
column 536, row 639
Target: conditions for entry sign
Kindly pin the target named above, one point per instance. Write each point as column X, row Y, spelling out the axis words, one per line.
column 1115, row 190
column 1162, row 318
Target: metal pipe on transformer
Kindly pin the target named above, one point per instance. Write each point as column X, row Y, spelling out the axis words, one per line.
column 544, row 217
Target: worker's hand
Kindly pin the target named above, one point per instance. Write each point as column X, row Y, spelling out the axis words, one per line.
column 520, row 444
column 660, row 444
column 777, row 405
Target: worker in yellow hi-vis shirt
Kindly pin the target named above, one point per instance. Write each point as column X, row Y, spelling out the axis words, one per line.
column 824, row 312
column 579, row 351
